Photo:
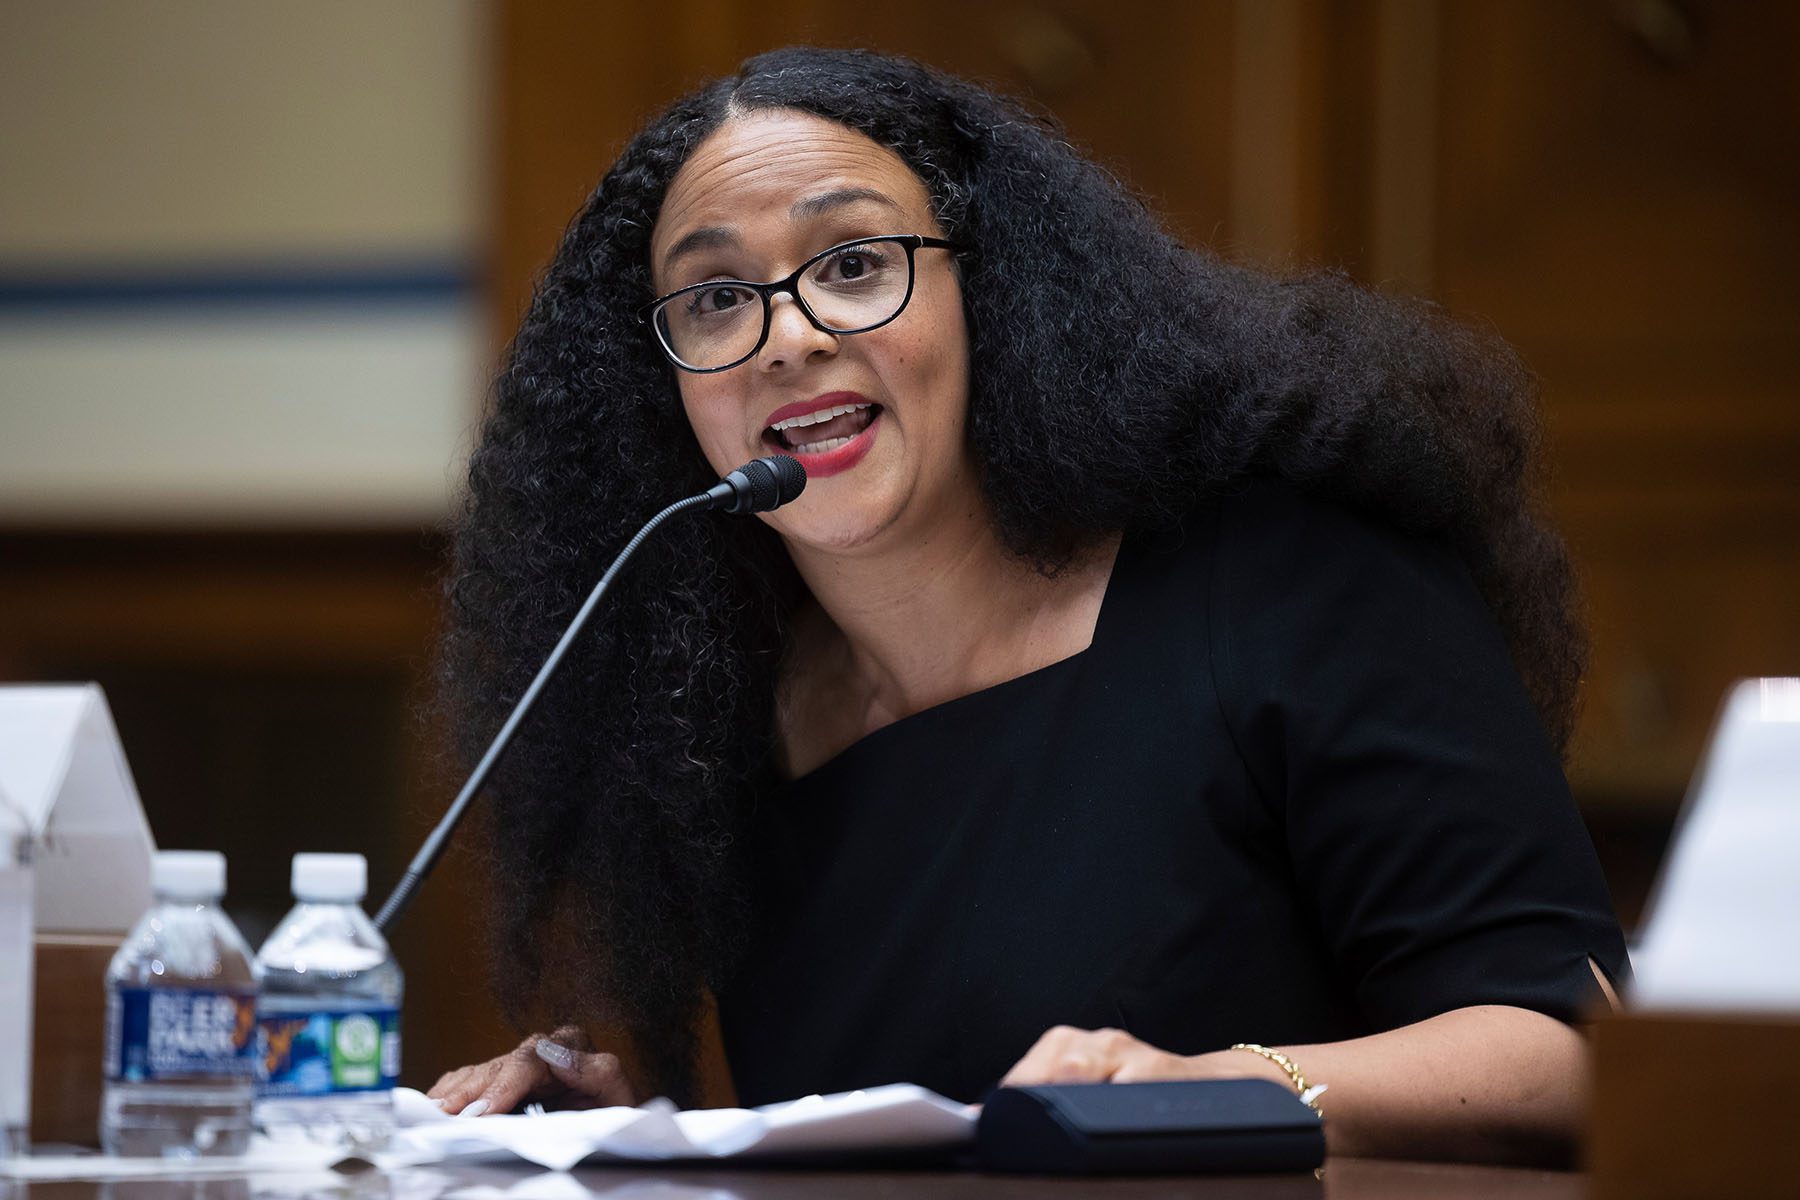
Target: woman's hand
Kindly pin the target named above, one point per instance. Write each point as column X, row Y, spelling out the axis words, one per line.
column 560, row 1070
column 1487, row 1083
column 1069, row 1055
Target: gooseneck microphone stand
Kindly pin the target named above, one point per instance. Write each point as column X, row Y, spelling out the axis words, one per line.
column 757, row 486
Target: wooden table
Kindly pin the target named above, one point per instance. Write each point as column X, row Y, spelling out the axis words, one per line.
column 1346, row 1179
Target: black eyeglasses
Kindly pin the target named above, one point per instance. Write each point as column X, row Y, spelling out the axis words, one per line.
column 850, row 288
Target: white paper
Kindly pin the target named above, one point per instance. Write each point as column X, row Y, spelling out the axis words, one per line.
column 264, row 1156
column 897, row 1116
column 70, row 793
column 557, row 1185
column 1723, row 932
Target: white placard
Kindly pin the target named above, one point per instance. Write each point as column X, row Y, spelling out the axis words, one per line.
column 1723, row 932
column 69, row 793
column 16, row 967
column 74, row 854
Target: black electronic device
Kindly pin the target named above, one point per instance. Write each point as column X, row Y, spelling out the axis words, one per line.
column 1183, row 1126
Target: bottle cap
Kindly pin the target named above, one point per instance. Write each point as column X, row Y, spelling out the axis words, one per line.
column 330, row 878
column 189, row 874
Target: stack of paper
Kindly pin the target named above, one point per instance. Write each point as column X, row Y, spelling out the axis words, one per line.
column 899, row 1116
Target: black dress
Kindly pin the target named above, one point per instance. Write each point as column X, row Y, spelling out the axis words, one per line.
column 1293, row 792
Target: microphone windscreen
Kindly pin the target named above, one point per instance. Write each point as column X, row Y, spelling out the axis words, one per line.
column 790, row 478
column 760, row 485
column 764, row 488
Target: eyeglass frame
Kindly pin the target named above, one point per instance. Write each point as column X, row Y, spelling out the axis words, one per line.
column 766, row 292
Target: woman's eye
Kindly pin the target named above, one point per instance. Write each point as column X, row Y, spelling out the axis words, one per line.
column 716, row 300
column 848, row 266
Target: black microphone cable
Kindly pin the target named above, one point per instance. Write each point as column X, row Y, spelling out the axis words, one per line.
column 757, row 486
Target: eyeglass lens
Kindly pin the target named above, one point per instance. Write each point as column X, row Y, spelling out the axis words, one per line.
column 847, row 290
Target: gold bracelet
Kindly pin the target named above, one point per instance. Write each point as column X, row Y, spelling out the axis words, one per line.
column 1309, row 1094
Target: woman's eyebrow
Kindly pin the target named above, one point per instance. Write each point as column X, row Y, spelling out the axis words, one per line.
column 824, row 202
column 713, row 237
column 710, row 237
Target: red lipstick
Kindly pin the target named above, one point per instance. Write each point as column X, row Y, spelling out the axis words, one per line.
column 841, row 458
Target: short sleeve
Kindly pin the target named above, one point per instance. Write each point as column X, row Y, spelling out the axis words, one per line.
column 1426, row 818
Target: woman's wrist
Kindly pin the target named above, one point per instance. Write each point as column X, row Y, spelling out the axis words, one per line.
column 1309, row 1090
column 1234, row 1064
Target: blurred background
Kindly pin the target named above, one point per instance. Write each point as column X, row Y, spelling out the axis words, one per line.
column 257, row 261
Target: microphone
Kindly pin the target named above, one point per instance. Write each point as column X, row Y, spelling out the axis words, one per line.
column 757, row 486
column 760, row 485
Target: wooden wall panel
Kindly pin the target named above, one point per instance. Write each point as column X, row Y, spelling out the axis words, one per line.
column 577, row 79
column 1613, row 196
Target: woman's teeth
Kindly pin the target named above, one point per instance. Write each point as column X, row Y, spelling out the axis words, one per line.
column 829, row 427
column 817, row 418
column 824, row 447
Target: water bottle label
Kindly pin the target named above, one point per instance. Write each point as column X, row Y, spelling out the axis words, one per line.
column 321, row 1053
column 165, row 1033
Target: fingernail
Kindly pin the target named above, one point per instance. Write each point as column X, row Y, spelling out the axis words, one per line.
column 475, row 1108
column 437, row 1100
column 556, row 1054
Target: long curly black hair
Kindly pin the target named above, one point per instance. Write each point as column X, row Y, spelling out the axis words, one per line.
column 1099, row 345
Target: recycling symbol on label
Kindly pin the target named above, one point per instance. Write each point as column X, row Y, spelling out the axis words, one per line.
column 358, row 1038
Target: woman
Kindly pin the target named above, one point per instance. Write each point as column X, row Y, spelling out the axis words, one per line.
column 1162, row 657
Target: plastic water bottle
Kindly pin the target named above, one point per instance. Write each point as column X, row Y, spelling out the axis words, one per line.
column 180, row 1021
column 329, row 1018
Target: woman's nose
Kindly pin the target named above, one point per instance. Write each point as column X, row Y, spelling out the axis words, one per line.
column 792, row 337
